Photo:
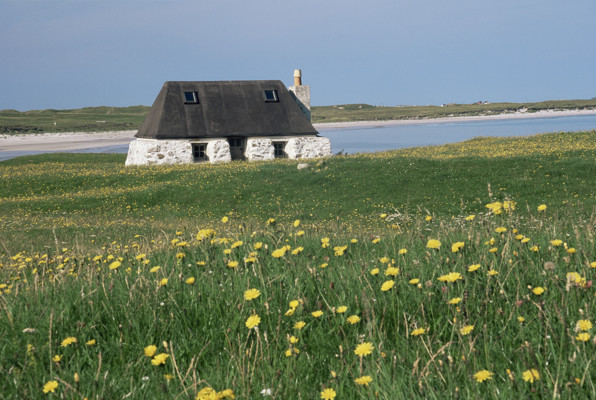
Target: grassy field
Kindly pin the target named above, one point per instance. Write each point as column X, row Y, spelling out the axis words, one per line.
column 97, row 119
column 462, row 270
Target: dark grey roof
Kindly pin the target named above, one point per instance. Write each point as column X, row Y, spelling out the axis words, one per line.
column 225, row 108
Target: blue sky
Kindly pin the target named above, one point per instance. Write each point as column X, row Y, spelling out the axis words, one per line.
column 77, row 53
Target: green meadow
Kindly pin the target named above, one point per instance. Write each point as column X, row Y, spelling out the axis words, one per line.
column 456, row 271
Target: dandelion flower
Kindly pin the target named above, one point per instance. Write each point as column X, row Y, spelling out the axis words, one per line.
column 534, row 248
column 324, row 265
column 402, row 251
column 50, row 386
column 387, row 285
column 414, row 281
column 466, row 330
column 483, row 375
column 328, row 394
column 68, row 341
column 297, row 250
column 232, row 264
column 428, row 218
column 296, row 223
column 57, row 358
column 341, row 309
column 457, row 246
column 290, row 312
column 530, row 375
column 278, row 253
column 363, row 380
column 252, row 321
column 450, row 277
column 376, row 240
column 258, row 245
column 520, row 319
column 538, row 290
column 353, row 319
column 455, row 300
column 583, row 336
column 224, row 219
column 150, row 350
column 91, row 342
column 492, row 272
column 252, row 294
column 163, row 282
column 470, row 217
column 115, row 265
column 433, row 244
column 501, row 229
column 324, row 242
column 391, row 271
column 583, row 325
column 190, row 280
column 299, row 325
column 473, row 267
column 364, row 349
column 542, row 207
column 374, row 271
column 294, row 303
column 317, row 313
column 556, row 242
column 154, row 269
column 418, row 332
column 159, row 359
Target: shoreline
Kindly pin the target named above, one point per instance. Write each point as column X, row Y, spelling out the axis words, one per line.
column 68, row 141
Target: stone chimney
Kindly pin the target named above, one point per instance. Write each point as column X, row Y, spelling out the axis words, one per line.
column 301, row 93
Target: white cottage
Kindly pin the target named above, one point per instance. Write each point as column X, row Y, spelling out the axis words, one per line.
column 221, row 121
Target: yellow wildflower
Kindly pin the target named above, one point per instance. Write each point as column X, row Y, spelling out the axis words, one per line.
column 328, row 394
column 353, row 319
column 251, row 294
column 299, row 325
column 50, row 386
column 418, row 332
column 583, row 336
column 341, row 309
column 473, row 267
column 317, row 313
column 457, row 246
column 364, row 349
column 538, row 290
column 483, row 375
column 542, row 207
column 414, row 281
column 466, row 330
column 433, row 244
column 68, row 341
column 583, row 325
column 159, row 359
column 190, row 281
column 363, row 380
column 450, row 277
column 150, row 350
column 455, row 300
column 252, row 321
column 530, row 375
column 387, row 285
column 115, row 265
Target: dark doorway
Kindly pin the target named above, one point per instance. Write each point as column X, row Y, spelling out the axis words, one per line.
column 237, row 147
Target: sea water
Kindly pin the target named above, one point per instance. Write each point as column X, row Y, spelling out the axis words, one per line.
column 379, row 138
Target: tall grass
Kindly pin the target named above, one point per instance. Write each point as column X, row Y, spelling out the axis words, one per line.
column 136, row 269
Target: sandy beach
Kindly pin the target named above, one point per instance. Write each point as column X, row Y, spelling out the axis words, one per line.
column 69, row 141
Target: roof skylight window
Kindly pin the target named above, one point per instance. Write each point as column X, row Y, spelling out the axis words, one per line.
column 271, row 96
column 191, row 98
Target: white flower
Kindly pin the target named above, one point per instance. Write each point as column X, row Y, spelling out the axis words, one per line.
column 266, row 392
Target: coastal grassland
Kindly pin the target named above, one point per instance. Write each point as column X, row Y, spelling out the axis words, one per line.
column 366, row 112
column 88, row 119
column 101, row 119
column 459, row 270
